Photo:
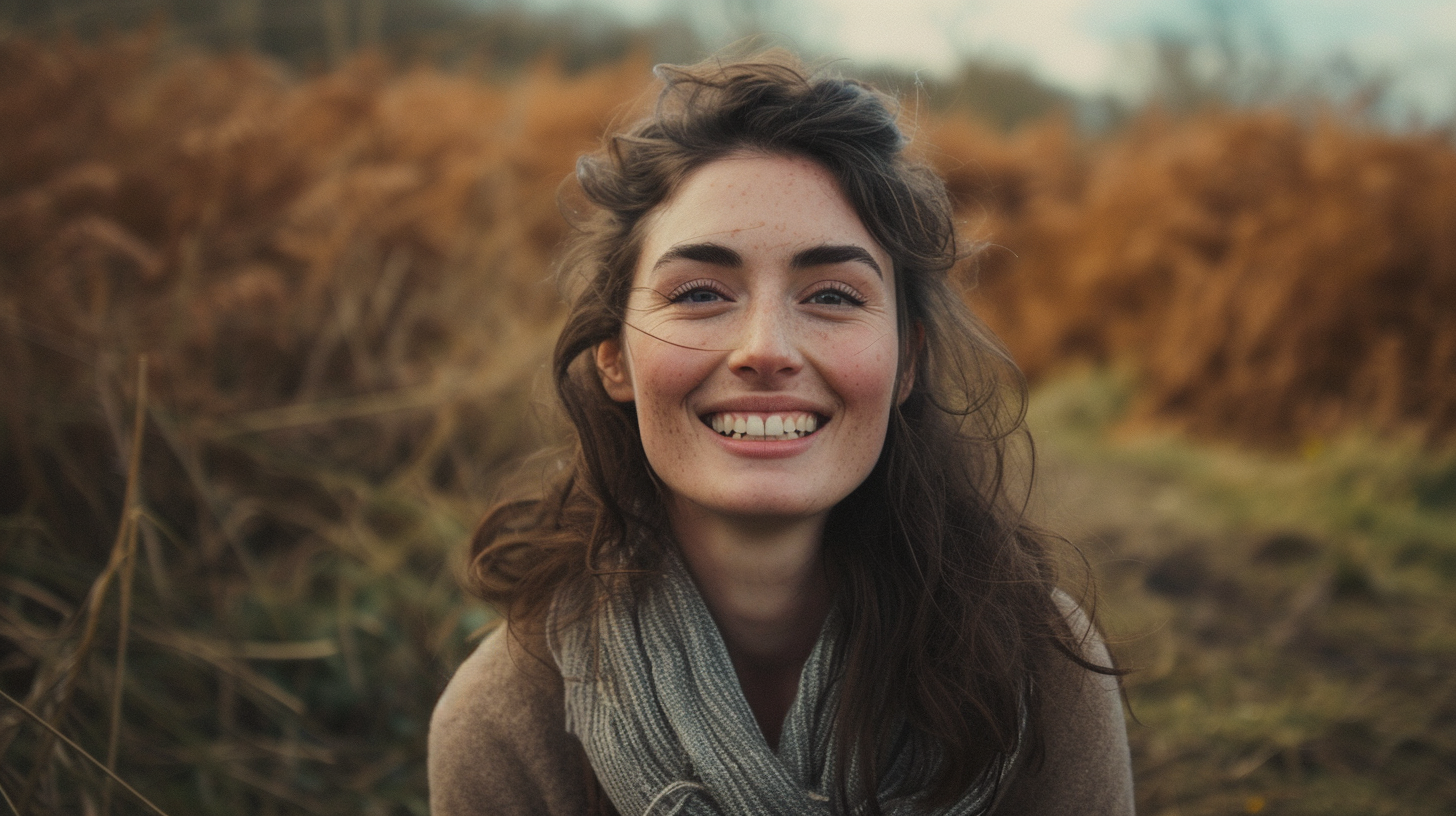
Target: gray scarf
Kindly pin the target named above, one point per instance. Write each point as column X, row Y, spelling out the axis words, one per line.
column 654, row 699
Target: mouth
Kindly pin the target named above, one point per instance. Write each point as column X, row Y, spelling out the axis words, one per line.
column 783, row 425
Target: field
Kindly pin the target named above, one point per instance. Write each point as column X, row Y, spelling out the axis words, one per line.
column 271, row 340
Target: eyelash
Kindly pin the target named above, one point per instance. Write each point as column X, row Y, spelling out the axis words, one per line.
column 841, row 289
column 681, row 293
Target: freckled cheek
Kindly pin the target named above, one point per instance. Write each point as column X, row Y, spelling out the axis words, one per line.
column 865, row 381
column 661, row 383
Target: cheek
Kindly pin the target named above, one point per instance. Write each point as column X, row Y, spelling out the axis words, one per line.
column 864, row 378
column 662, row 378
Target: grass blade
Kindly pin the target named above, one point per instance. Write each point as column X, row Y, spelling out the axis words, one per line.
column 130, row 519
column 6, row 797
column 56, row 734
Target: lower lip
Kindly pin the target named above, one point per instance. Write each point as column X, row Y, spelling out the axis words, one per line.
column 763, row 449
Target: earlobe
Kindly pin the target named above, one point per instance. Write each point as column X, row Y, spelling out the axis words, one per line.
column 612, row 366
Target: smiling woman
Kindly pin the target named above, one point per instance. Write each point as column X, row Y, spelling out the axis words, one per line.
column 783, row 572
column 758, row 299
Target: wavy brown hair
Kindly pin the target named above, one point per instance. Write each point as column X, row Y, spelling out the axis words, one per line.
column 944, row 590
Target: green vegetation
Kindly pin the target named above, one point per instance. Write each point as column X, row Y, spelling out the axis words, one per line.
column 315, row 34
column 1290, row 619
column 286, row 662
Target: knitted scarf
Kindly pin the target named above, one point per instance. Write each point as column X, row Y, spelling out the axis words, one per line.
column 654, row 700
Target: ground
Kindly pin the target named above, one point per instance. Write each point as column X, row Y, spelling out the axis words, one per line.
column 1287, row 617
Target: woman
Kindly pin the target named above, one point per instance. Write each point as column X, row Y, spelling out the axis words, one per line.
column 783, row 571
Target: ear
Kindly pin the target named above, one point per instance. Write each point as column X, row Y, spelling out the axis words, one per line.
column 907, row 377
column 612, row 366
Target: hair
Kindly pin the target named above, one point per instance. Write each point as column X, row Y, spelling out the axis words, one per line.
column 945, row 591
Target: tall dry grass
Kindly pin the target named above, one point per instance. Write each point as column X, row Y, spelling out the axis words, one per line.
column 339, row 285
column 1272, row 282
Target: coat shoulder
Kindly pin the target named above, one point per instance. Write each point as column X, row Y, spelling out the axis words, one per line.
column 498, row 742
column 1087, row 768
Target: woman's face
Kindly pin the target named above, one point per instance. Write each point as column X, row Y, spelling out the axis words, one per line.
column 760, row 348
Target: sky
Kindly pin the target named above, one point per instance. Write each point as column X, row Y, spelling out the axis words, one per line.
column 1092, row 46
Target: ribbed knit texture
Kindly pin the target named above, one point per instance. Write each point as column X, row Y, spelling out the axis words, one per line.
column 653, row 697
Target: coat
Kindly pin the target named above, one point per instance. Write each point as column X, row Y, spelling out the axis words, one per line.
column 498, row 744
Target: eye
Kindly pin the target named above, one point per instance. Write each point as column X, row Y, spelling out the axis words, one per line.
column 698, row 291
column 834, row 294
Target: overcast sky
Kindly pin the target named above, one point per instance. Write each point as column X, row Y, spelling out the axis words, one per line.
column 1090, row 45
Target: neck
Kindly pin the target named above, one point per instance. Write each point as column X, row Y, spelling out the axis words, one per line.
column 764, row 583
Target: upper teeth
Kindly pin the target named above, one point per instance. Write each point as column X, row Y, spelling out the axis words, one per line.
column 764, row 426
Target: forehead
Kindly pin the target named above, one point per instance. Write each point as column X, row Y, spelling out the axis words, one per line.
column 757, row 202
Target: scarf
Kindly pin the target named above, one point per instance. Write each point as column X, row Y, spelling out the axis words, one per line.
column 653, row 698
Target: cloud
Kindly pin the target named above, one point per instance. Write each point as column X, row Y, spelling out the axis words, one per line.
column 935, row 35
column 1081, row 44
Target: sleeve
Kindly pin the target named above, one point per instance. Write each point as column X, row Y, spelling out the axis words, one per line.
column 498, row 745
column 1087, row 768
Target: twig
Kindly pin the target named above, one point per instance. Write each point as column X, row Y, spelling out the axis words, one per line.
column 51, row 729
column 94, row 601
column 130, row 518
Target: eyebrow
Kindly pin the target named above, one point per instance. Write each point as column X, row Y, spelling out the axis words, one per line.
column 829, row 254
column 715, row 254
column 822, row 255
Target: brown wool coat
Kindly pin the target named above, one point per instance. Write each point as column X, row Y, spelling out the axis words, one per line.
column 499, row 746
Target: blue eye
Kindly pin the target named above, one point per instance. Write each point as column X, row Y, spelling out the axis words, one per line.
column 698, row 291
column 699, row 296
column 833, row 297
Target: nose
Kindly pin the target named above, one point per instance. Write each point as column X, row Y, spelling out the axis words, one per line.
column 767, row 348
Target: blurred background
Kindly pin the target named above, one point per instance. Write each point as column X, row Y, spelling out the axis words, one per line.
column 275, row 305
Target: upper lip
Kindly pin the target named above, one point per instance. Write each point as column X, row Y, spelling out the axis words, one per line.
column 763, row 403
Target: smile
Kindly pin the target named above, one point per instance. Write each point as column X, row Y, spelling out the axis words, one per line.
column 787, row 425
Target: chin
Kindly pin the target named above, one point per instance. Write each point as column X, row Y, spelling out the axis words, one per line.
column 768, row 505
